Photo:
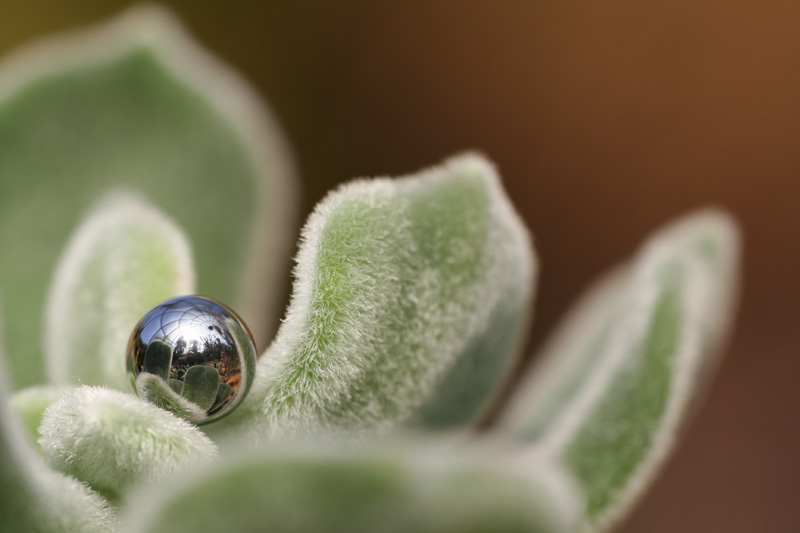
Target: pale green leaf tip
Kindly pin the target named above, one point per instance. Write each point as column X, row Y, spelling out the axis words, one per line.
column 701, row 249
column 114, row 441
column 710, row 233
column 402, row 278
column 124, row 258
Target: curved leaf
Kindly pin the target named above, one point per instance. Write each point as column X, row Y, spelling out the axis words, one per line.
column 123, row 259
column 628, row 363
column 569, row 359
column 135, row 104
column 408, row 308
column 113, row 441
column 317, row 490
column 35, row 499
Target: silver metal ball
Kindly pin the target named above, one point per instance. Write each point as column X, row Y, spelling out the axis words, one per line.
column 194, row 356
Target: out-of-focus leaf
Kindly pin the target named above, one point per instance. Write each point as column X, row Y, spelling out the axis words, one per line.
column 35, row 499
column 620, row 375
column 112, row 440
column 363, row 491
column 408, row 307
column 29, row 405
column 135, row 104
column 569, row 359
column 124, row 258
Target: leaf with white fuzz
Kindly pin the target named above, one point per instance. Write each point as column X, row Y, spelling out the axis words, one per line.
column 136, row 104
column 408, row 308
column 124, row 258
column 618, row 379
column 363, row 491
column 113, row 441
column 35, row 499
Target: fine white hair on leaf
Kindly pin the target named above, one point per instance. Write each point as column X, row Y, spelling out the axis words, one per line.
column 33, row 497
column 113, row 441
column 627, row 364
column 409, row 304
column 123, row 259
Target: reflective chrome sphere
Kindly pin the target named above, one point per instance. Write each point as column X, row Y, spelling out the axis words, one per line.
column 193, row 356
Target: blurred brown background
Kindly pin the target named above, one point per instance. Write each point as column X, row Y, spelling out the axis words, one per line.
column 605, row 121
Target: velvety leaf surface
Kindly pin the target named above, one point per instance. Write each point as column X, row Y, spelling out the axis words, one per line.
column 620, row 375
column 330, row 491
column 113, row 441
column 408, row 307
column 135, row 105
column 123, row 259
column 35, row 499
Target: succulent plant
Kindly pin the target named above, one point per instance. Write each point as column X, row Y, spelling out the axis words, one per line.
column 135, row 168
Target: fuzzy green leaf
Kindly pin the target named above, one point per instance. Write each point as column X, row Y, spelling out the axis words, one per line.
column 123, row 259
column 615, row 384
column 112, row 440
column 323, row 490
column 35, row 499
column 408, row 308
column 136, row 105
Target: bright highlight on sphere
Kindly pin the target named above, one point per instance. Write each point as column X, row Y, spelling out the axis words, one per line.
column 202, row 352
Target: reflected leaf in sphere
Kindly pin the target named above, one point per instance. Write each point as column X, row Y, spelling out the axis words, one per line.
column 193, row 356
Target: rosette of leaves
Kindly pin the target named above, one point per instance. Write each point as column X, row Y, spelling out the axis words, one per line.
column 135, row 168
